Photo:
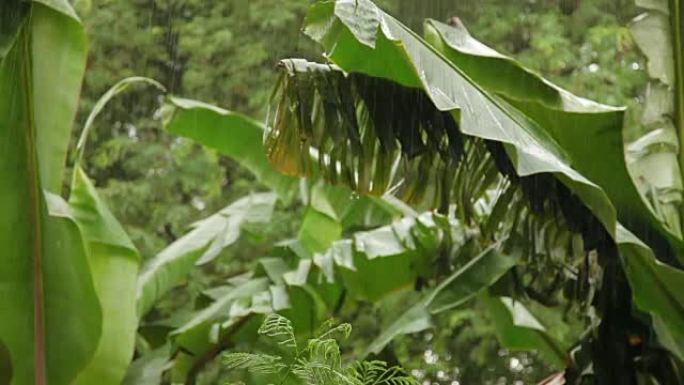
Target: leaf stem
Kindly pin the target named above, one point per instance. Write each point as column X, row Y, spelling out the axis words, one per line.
column 224, row 343
column 115, row 90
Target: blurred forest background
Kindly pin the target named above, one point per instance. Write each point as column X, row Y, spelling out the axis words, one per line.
column 224, row 52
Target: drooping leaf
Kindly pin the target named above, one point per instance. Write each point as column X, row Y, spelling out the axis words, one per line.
column 517, row 329
column 533, row 144
column 149, row 368
column 113, row 259
column 114, row 263
column 239, row 302
column 526, row 129
column 404, row 58
column 569, row 120
column 656, row 287
column 202, row 244
column 120, row 87
column 653, row 157
column 480, row 273
column 230, row 133
column 414, row 320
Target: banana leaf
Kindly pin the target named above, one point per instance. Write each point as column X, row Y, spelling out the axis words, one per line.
column 525, row 128
column 201, row 245
column 230, row 133
column 49, row 301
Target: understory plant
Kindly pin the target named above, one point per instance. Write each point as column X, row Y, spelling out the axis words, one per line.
column 318, row 362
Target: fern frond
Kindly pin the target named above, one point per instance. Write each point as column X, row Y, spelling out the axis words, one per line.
column 377, row 373
column 325, row 352
column 280, row 330
column 319, row 373
column 320, row 363
column 255, row 363
column 330, row 329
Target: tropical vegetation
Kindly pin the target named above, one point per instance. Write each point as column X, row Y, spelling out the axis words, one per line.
column 424, row 179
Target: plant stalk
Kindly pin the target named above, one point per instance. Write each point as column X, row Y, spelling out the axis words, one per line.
column 225, row 342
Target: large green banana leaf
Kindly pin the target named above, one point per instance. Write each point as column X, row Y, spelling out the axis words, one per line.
column 569, row 119
column 202, row 244
column 114, row 264
column 48, row 298
column 401, row 56
column 231, row 133
column 241, row 138
column 519, row 330
column 480, row 273
column 478, row 61
column 80, row 293
column 358, row 37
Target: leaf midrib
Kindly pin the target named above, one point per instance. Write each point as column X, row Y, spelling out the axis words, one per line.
column 34, row 212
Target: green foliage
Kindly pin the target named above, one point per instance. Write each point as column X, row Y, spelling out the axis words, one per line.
column 74, row 262
column 318, row 363
column 47, row 295
column 559, row 249
column 538, row 135
column 655, row 32
column 221, row 52
column 586, row 50
column 201, row 245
